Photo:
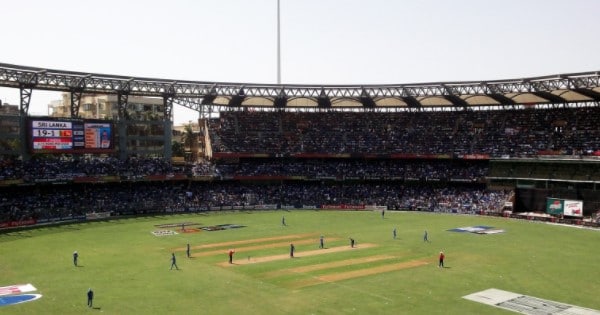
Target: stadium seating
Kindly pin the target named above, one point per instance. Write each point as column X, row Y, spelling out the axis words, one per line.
column 500, row 133
column 400, row 160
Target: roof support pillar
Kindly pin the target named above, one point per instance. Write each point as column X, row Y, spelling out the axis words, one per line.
column 75, row 102
column 25, row 94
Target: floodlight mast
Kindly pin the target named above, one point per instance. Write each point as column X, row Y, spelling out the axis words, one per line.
column 278, row 44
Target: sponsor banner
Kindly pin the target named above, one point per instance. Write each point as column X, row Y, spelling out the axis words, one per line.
column 88, row 179
column 554, row 206
column 548, row 152
column 109, row 179
column 462, row 180
column 375, row 207
column 310, row 178
column 155, row 177
column 491, row 231
column 321, row 155
column 16, row 289
column 165, row 177
column 17, row 299
column 289, row 207
column 525, row 304
column 374, row 156
column 573, row 208
column 402, row 156
column 9, row 182
column 197, row 209
column 557, row 206
column 476, row 157
column 132, row 177
column 266, row 207
column 478, row 229
column 97, row 215
column 51, row 180
column 237, row 207
column 419, row 156
column 221, row 155
column 202, row 178
column 343, row 207
column 163, row 233
column 354, row 207
column 17, row 223
column 326, row 177
column 261, row 177
column 177, row 176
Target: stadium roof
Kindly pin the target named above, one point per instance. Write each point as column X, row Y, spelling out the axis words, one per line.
column 552, row 89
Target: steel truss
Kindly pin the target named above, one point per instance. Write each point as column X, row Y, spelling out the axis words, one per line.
column 201, row 96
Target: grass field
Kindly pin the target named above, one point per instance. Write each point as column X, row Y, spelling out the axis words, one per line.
column 128, row 267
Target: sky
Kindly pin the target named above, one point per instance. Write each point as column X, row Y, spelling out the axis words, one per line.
column 322, row 41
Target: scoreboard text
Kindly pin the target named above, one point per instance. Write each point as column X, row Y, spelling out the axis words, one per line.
column 70, row 136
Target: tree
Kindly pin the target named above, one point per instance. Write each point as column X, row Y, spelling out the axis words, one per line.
column 190, row 141
column 177, row 148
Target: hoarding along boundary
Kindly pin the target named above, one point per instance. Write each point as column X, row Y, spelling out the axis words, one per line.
column 564, row 207
column 11, row 226
column 96, row 216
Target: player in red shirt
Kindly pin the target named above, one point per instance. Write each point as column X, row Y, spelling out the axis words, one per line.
column 442, row 256
column 231, row 251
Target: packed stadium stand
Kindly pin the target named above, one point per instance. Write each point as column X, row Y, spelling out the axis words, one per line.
column 499, row 133
column 457, row 158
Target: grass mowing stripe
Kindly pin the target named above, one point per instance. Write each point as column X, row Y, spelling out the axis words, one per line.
column 245, row 250
column 329, row 250
column 334, row 264
column 256, row 240
column 339, row 276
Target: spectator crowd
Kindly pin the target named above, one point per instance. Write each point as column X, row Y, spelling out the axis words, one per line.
column 498, row 133
column 48, row 202
column 429, row 175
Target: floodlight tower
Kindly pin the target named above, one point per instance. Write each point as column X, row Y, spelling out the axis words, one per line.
column 278, row 44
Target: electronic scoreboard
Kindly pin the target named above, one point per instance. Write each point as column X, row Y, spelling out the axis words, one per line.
column 48, row 135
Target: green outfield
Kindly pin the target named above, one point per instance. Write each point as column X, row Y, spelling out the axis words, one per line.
column 128, row 267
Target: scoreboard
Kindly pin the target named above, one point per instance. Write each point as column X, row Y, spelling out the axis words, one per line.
column 48, row 135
